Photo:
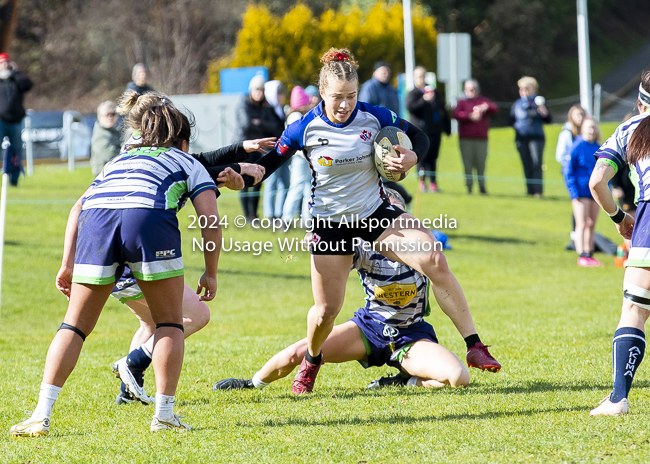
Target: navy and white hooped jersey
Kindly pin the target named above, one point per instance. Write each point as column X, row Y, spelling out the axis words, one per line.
column 148, row 177
column 614, row 151
column 345, row 181
column 396, row 294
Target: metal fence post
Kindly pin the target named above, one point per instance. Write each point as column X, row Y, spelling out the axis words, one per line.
column 29, row 146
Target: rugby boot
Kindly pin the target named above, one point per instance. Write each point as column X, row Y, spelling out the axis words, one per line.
column 173, row 423
column 306, row 377
column 478, row 356
column 233, row 384
column 133, row 379
column 607, row 408
column 31, row 428
column 396, row 380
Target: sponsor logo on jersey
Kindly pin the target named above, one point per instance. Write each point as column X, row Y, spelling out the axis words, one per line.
column 366, row 136
column 396, row 294
column 281, row 147
column 165, row 254
column 325, row 161
column 394, row 116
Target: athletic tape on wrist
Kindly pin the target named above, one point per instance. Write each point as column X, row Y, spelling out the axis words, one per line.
column 618, row 216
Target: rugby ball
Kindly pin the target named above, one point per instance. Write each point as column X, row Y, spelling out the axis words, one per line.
column 383, row 148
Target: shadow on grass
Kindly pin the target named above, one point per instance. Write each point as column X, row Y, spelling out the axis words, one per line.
column 474, row 389
column 499, row 240
column 408, row 419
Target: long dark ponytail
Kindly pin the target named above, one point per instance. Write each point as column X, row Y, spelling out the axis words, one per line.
column 639, row 146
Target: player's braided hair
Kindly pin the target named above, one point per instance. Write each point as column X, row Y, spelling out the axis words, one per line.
column 159, row 122
column 338, row 64
column 639, row 145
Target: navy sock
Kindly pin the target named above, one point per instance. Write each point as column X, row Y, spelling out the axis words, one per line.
column 628, row 350
column 472, row 340
column 138, row 359
column 314, row 359
column 123, row 389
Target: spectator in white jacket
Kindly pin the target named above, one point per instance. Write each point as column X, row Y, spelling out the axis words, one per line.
column 570, row 131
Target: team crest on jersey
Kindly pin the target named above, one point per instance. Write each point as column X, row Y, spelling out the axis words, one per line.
column 281, row 147
column 325, row 161
column 396, row 294
column 366, row 136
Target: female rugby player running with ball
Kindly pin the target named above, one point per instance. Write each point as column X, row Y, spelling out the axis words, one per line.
column 337, row 138
column 129, row 219
column 629, row 144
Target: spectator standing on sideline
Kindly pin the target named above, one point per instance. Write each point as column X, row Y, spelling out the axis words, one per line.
column 256, row 119
column 378, row 90
column 297, row 201
column 472, row 114
column 13, row 85
column 314, row 95
column 276, row 186
column 428, row 113
column 577, row 170
column 527, row 115
column 570, row 131
column 106, row 140
column 139, row 76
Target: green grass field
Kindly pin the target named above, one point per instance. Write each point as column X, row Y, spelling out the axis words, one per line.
column 548, row 321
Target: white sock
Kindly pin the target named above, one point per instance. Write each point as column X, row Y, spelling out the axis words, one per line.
column 412, row 382
column 257, row 382
column 46, row 398
column 164, row 406
column 146, row 351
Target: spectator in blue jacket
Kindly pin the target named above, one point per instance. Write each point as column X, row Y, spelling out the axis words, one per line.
column 13, row 85
column 577, row 171
column 527, row 115
column 378, row 90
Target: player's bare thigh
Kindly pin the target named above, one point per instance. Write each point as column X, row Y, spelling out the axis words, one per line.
column 431, row 361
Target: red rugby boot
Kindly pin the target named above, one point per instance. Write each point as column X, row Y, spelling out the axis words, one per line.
column 306, row 377
column 478, row 356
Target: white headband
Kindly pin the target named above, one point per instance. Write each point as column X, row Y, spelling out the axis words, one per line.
column 644, row 96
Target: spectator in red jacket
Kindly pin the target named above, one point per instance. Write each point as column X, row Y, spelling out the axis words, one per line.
column 472, row 114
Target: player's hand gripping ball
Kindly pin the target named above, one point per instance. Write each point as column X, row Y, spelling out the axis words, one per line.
column 383, row 147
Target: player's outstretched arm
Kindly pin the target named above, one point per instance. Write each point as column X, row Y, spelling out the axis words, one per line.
column 205, row 204
column 598, row 184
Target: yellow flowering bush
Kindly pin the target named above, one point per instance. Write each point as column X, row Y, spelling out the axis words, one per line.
column 290, row 46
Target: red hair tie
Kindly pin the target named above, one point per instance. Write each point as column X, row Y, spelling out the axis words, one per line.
column 341, row 57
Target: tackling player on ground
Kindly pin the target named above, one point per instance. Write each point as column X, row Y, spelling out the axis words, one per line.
column 386, row 331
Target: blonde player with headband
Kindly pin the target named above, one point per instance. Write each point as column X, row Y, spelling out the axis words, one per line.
column 630, row 144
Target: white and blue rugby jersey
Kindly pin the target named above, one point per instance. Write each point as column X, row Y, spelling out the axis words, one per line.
column 614, row 151
column 148, row 177
column 345, row 181
column 396, row 294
